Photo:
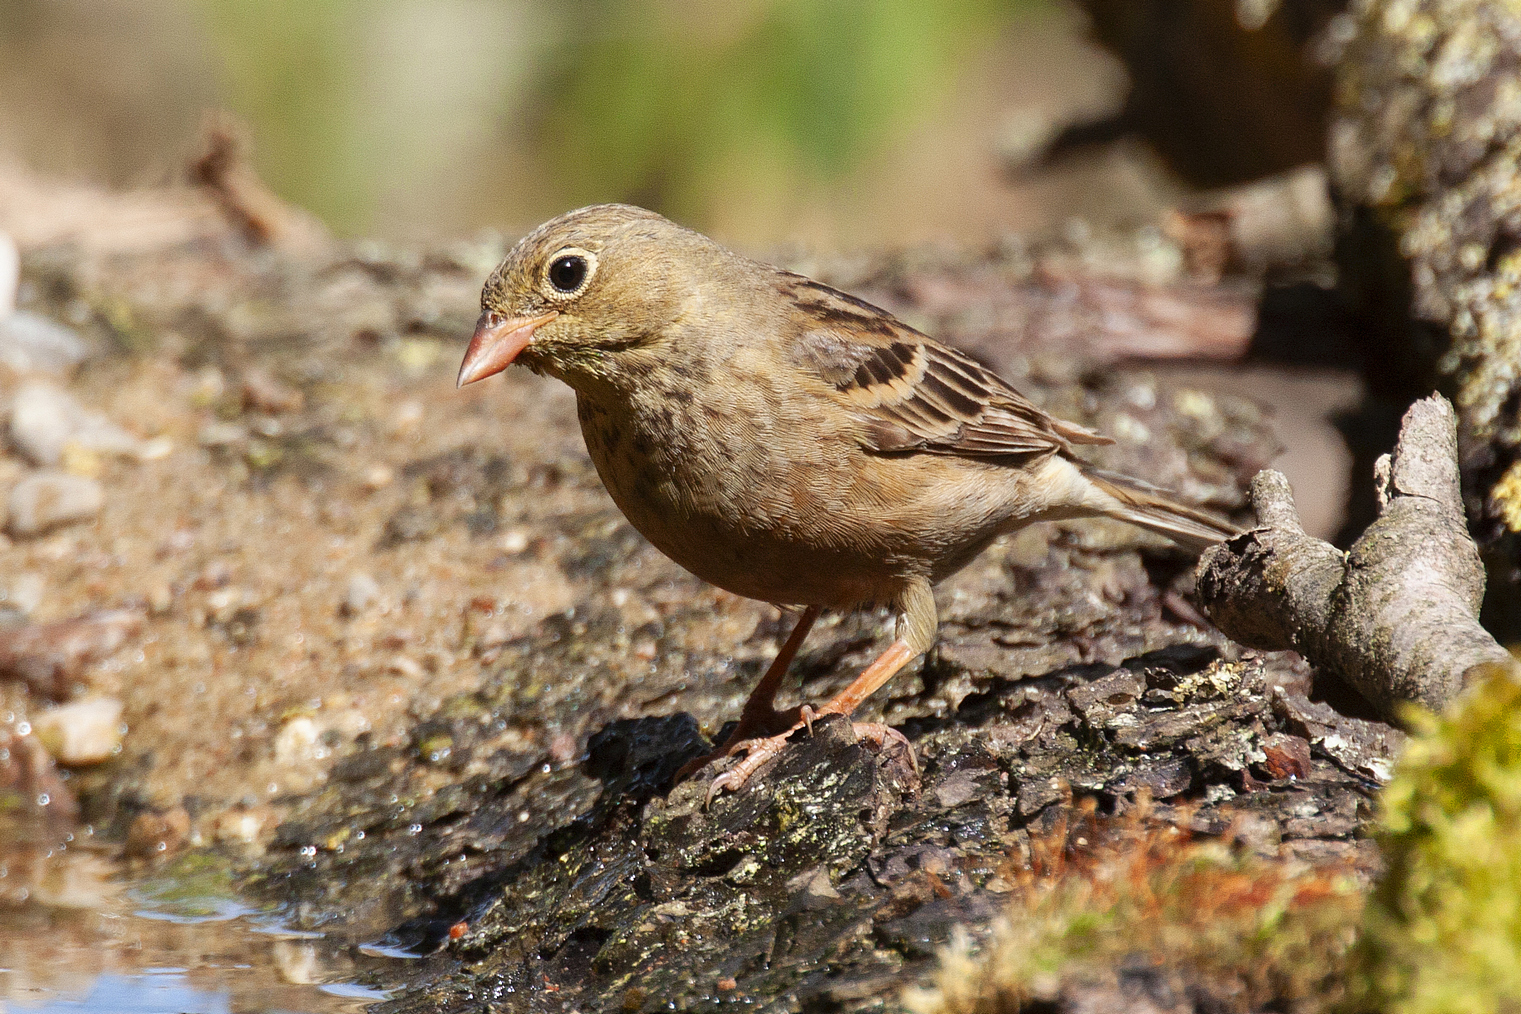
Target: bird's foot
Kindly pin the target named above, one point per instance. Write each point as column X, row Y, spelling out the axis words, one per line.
column 758, row 751
column 754, row 724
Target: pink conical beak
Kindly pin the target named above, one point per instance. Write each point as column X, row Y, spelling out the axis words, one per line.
column 496, row 343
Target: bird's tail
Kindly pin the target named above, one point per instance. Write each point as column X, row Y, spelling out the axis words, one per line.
column 1154, row 509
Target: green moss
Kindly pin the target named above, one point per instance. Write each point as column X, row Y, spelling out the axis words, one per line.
column 1443, row 929
column 1228, row 921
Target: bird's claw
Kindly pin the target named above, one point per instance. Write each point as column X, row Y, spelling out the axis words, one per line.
column 759, row 751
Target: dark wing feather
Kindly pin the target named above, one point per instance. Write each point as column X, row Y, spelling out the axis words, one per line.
column 915, row 394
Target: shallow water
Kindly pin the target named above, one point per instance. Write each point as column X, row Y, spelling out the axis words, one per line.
column 82, row 932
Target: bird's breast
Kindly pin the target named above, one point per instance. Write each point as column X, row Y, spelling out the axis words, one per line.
column 718, row 486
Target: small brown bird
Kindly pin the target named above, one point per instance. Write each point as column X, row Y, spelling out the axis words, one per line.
column 787, row 441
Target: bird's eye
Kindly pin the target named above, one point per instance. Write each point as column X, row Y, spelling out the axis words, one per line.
column 567, row 273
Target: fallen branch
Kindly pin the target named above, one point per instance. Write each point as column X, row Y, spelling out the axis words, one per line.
column 224, row 169
column 1396, row 615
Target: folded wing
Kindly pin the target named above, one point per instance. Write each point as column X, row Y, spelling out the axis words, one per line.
column 915, row 394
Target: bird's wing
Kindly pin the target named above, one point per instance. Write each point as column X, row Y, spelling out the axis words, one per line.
column 911, row 392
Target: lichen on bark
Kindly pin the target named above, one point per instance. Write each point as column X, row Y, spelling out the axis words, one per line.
column 1425, row 156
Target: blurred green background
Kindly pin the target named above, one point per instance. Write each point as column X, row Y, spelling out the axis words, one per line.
column 846, row 122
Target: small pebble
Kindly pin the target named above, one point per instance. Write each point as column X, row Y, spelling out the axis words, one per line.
column 224, row 598
column 160, row 598
column 220, row 434
column 31, row 343
column 25, row 591
column 296, row 742
column 155, row 834
column 406, row 417
column 241, row 826
column 266, row 426
column 82, row 733
column 401, row 665
column 10, row 274
column 48, row 656
column 28, row 342
column 46, row 500
column 155, row 449
column 362, row 590
column 378, row 476
column 263, row 392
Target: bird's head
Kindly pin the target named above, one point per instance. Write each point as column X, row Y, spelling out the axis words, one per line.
column 581, row 290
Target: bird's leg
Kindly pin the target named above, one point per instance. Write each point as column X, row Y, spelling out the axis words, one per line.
column 759, row 716
column 759, row 751
column 897, row 655
column 915, row 628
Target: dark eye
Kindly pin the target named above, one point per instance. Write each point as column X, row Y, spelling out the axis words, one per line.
column 567, row 273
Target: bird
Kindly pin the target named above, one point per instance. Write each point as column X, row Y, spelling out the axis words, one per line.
column 787, row 441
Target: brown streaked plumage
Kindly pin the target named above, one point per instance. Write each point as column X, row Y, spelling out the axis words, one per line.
column 784, row 440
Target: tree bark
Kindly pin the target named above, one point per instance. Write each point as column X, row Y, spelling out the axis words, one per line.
column 1425, row 159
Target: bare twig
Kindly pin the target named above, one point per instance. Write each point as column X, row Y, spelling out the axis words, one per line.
column 1396, row 615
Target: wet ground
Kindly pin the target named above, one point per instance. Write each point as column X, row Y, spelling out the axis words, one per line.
column 391, row 667
column 78, row 935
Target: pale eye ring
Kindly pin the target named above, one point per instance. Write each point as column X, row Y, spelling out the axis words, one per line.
column 569, row 270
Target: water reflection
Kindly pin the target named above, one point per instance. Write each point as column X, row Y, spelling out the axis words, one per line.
column 78, row 935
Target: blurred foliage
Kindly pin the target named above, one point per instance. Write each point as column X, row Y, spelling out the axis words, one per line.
column 287, row 67
column 99, row 87
column 668, row 104
column 1442, row 933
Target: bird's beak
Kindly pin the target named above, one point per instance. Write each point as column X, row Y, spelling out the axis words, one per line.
column 496, row 343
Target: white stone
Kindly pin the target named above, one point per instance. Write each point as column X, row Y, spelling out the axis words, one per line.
column 25, row 591
column 378, row 476
column 31, row 343
column 362, row 590
column 45, row 500
column 46, row 419
column 155, row 449
column 221, row 434
column 240, row 826
column 296, row 742
column 10, row 274
column 81, row 733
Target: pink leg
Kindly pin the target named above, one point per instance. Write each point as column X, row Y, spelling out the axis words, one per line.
column 760, row 717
